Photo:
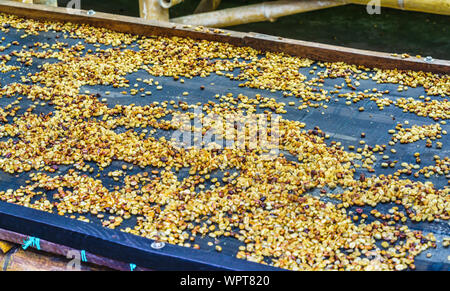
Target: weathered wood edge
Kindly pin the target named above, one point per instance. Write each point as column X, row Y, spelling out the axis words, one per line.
column 61, row 250
column 312, row 50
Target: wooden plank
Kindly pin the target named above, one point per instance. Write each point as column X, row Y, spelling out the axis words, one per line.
column 207, row 6
column 35, row 260
column 316, row 51
column 259, row 12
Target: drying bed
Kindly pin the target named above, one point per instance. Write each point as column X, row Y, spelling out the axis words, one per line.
column 357, row 179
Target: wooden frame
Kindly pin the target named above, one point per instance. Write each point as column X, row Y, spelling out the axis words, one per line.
column 258, row 12
column 315, row 51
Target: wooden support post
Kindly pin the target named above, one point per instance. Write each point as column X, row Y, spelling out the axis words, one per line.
column 151, row 9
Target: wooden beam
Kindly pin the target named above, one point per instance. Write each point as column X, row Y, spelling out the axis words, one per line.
column 270, row 11
column 5, row 246
column 151, row 9
column 24, row 1
column 43, row 2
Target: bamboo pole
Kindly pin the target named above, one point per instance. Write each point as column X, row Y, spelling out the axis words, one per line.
column 43, row 2
column 427, row 6
column 267, row 11
column 5, row 246
column 270, row 11
column 151, row 9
